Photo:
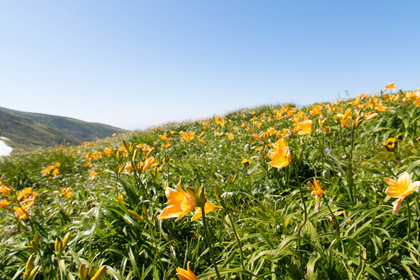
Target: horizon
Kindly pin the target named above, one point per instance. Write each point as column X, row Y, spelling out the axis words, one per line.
column 140, row 64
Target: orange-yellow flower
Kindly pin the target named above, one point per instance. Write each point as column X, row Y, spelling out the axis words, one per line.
column 55, row 172
column 230, row 136
column 185, row 274
column 66, row 192
column 187, row 136
column 181, row 203
column 20, row 213
column 317, row 192
column 93, row 174
column 280, row 154
column 148, row 163
column 345, row 118
column 391, row 86
column 304, row 127
column 108, row 151
column 4, row 190
column 400, row 189
column 166, row 146
column 371, row 116
column 26, row 193
column 4, row 203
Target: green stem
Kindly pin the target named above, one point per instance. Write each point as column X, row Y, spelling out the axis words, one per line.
column 209, row 242
column 418, row 211
column 305, row 218
column 350, row 168
column 336, row 226
column 238, row 240
column 409, row 220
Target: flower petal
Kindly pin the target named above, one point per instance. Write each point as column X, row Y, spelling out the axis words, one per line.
column 208, row 207
column 404, row 180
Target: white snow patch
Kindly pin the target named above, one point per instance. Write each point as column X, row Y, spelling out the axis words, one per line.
column 4, row 149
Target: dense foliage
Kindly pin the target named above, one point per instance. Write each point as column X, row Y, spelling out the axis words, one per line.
column 300, row 194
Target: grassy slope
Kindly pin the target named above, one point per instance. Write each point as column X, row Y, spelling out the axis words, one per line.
column 24, row 132
column 260, row 231
column 31, row 129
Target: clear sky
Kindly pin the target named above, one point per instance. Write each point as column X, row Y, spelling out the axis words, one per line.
column 133, row 64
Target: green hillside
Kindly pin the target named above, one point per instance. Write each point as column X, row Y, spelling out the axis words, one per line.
column 26, row 130
column 327, row 191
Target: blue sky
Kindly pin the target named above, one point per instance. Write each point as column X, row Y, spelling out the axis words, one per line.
column 133, row 64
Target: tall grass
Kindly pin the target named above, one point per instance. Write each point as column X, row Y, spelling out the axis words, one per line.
column 269, row 225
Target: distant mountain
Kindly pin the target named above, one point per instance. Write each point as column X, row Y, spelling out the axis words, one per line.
column 26, row 130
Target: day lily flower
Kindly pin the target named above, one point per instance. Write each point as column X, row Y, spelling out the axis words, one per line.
column 148, row 163
column 371, row 116
column 345, row 118
column 391, row 86
column 21, row 212
column 4, row 190
column 185, row 274
column 230, row 136
column 317, row 192
column 66, row 192
column 180, row 203
column 304, row 127
column 4, row 203
column 400, row 189
column 280, row 154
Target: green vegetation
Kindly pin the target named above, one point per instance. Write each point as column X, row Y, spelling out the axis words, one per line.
column 300, row 195
column 28, row 130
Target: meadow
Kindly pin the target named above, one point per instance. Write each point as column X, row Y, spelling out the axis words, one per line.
column 327, row 191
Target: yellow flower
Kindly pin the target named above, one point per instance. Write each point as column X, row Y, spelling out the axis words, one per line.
column 371, row 116
column 148, row 163
column 26, row 193
column 390, row 144
column 316, row 188
column 120, row 198
column 4, row 190
column 93, row 174
column 317, row 192
column 400, row 189
column 280, row 154
column 66, row 192
column 187, row 136
column 181, row 203
column 304, row 127
column 166, row 146
column 230, row 136
column 47, row 170
column 55, row 172
column 390, row 86
column 345, row 118
column 185, row 274
column 4, row 203
column 20, row 214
